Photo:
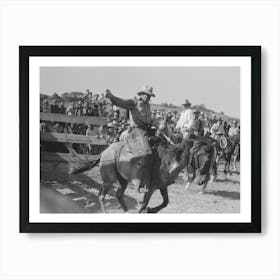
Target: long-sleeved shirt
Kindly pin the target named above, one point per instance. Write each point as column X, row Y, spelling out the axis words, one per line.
column 140, row 111
column 217, row 129
column 185, row 120
column 197, row 127
column 233, row 131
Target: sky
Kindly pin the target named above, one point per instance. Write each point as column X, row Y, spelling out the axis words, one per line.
column 218, row 88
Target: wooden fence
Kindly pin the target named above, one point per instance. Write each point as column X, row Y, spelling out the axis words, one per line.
column 69, row 138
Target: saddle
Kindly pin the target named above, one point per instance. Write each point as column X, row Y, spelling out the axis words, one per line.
column 137, row 143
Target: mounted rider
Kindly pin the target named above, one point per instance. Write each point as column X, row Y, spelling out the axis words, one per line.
column 140, row 111
column 185, row 120
column 196, row 135
column 234, row 129
column 217, row 130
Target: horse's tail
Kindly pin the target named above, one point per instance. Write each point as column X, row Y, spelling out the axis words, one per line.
column 82, row 164
column 84, row 168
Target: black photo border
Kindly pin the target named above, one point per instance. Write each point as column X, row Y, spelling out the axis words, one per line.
column 250, row 51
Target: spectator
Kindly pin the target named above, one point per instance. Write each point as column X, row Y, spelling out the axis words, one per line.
column 91, row 131
column 169, row 117
column 234, row 129
column 125, row 133
column 45, row 107
column 71, row 110
column 62, row 109
column 43, row 127
column 154, row 115
column 79, row 109
column 101, row 105
column 55, row 107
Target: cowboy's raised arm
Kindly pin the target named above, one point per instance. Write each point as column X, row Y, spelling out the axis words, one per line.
column 123, row 103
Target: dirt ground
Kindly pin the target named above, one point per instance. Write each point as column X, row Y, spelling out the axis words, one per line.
column 63, row 193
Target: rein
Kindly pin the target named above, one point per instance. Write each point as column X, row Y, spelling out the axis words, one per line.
column 167, row 138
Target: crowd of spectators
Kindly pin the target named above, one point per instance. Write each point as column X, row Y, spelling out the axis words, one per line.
column 118, row 125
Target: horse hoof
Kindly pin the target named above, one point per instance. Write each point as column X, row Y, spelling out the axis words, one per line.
column 201, row 192
column 187, row 186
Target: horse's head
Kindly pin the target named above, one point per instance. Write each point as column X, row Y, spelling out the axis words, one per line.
column 173, row 160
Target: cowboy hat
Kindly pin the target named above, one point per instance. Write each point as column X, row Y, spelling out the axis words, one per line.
column 196, row 112
column 187, row 102
column 146, row 90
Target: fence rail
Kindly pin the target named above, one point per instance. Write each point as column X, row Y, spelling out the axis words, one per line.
column 63, row 157
column 52, row 117
column 71, row 138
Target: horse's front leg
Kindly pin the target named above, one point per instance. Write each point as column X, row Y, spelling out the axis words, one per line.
column 146, row 199
column 164, row 194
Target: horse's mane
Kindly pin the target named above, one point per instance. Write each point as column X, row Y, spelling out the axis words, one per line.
column 176, row 150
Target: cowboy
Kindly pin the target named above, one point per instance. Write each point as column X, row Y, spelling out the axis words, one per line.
column 212, row 120
column 185, row 119
column 169, row 117
column 154, row 115
column 140, row 111
column 196, row 135
column 217, row 130
column 234, row 129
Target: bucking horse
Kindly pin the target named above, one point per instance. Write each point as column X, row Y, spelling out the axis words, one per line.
column 122, row 163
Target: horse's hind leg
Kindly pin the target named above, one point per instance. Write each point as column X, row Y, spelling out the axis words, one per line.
column 164, row 194
column 120, row 192
column 146, row 200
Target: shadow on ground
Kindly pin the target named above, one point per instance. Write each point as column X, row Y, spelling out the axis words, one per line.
column 226, row 180
column 64, row 193
column 225, row 194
